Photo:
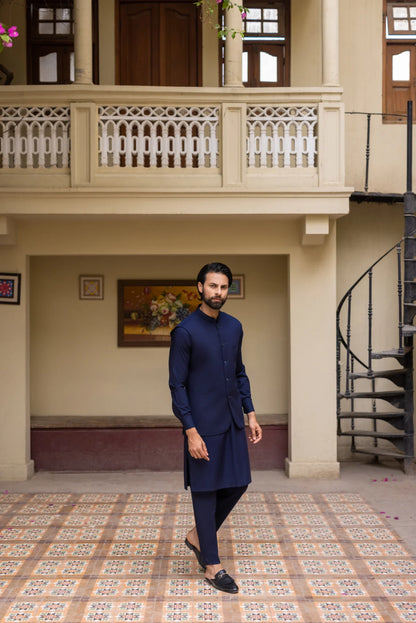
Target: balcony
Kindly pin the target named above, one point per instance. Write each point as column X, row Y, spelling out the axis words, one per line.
column 120, row 141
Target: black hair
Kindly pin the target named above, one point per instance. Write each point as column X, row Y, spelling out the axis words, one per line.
column 214, row 267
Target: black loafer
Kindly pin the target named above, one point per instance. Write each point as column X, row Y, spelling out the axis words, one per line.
column 223, row 582
column 197, row 553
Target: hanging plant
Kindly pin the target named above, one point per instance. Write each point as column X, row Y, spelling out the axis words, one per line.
column 210, row 8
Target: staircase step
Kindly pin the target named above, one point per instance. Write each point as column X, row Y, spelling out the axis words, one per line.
column 395, row 397
column 408, row 329
column 396, row 376
column 373, row 434
column 387, row 453
column 372, row 415
column 395, row 419
column 394, row 352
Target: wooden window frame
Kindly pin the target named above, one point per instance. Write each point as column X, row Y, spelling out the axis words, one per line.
column 36, row 42
column 406, row 40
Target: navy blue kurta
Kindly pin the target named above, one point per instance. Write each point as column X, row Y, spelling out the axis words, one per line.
column 210, row 390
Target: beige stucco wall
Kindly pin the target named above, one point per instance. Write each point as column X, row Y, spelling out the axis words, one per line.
column 77, row 368
column 361, row 70
column 362, row 237
column 305, row 43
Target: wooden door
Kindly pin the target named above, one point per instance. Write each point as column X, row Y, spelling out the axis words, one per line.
column 159, row 43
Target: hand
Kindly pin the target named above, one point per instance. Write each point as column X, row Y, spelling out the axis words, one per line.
column 256, row 433
column 196, row 445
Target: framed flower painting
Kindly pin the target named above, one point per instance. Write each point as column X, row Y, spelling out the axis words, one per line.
column 149, row 310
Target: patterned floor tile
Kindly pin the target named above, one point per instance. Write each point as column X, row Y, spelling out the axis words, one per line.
column 121, row 557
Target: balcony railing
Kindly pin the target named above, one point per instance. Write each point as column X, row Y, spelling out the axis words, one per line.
column 217, row 137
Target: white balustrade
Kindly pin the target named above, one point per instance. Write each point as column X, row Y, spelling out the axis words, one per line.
column 159, row 136
column 284, row 137
column 36, row 137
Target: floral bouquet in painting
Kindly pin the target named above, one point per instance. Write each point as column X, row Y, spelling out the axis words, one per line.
column 166, row 310
column 149, row 311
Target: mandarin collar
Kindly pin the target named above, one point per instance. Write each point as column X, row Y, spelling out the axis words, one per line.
column 206, row 317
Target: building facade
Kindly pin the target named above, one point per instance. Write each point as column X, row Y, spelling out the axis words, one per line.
column 135, row 146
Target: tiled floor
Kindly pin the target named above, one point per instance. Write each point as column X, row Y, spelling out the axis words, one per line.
column 311, row 557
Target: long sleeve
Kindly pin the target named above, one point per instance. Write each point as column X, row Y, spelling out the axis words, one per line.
column 179, row 358
column 243, row 382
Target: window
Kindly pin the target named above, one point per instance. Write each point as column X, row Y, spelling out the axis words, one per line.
column 400, row 57
column 266, row 44
column 50, row 42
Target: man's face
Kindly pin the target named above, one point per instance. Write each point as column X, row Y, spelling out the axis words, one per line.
column 214, row 290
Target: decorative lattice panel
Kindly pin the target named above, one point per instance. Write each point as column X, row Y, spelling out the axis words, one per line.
column 283, row 137
column 34, row 137
column 160, row 136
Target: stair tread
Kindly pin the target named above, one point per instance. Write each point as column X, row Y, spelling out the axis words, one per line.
column 376, row 394
column 378, row 373
column 395, row 352
column 409, row 328
column 388, row 453
column 371, row 414
column 373, row 434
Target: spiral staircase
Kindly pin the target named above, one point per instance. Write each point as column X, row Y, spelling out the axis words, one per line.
column 375, row 388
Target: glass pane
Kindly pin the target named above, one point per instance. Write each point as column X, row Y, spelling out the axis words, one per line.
column 412, row 12
column 63, row 14
column 254, row 14
column 401, row 24
column 270, row 27
column 399, row 11
column 245, row 67
column 253, row 27
column 401, row 66
column 46, row 28
column 72, row 67
column 48, row 68
column 63, row 28
column 268, row 67
column 270, row 14
column 413, row 24
column 45, row 14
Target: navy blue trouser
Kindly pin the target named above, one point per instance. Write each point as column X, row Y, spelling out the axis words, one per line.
column 211, row 508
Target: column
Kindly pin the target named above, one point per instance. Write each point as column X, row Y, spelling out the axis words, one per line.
column 312, row 410
column 15, row 462
column 233, row 50
column 83, row 41
column 330, row 42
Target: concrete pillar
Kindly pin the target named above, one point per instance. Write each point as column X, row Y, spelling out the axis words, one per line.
column 83, row 41
column 330, row 42
column 233, row 50
column 312, row 409
column 15, row 463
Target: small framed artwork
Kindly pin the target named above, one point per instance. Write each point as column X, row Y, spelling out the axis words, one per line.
column 236, row 289
column 10, row 288
column 149, row 310
column 91, row 287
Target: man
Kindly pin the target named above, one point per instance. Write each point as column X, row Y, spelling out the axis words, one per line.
column 210, row 390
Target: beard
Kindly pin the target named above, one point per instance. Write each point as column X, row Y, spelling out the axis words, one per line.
column 213, row 302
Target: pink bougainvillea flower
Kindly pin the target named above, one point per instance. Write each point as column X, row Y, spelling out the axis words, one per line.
column 243, row 15
column 7, row 44
column 219, row 1
column 12, row 31
column 395, row 517
column 2, row 29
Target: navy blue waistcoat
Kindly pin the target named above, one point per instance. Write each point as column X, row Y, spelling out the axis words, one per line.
column 207, row 378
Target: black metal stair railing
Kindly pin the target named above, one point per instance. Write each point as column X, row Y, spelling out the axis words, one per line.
column 388, row 411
